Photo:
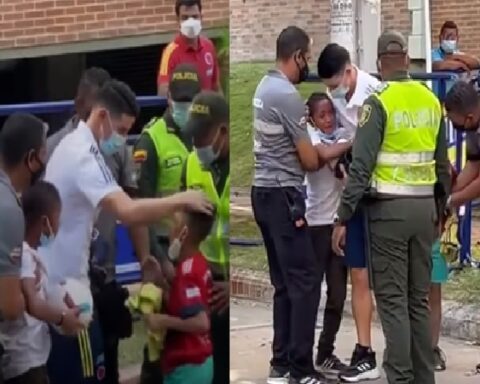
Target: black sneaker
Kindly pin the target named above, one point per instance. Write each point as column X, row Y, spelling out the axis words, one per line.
column 439, row 359
column 331, row 364
column 309, row 379
column 278, row 376
column 365, row 368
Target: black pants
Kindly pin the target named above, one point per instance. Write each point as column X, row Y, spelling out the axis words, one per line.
column 334, row 270
column 293, row 273
column 36, row 375
column 220, row 334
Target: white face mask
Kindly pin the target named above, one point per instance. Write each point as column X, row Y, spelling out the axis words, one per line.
column 191, row 28
column 174, row 250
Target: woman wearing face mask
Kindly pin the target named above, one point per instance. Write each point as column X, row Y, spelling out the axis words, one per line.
column 189, row 46
column 27, row 340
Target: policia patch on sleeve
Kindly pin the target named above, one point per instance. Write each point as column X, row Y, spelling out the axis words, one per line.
column 365, row 113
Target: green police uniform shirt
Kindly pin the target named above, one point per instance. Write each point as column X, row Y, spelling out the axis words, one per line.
column 367, row 144
column 148, row 173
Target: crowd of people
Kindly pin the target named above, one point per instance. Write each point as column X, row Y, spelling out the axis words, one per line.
column 61, row 198
column 357, row 180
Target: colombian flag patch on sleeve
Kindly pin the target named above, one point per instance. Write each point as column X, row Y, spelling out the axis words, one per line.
column 140, row 156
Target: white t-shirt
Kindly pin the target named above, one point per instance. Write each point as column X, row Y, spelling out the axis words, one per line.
column 78, row 170
column 323, row 188
column 347, row 112
column 26, row 340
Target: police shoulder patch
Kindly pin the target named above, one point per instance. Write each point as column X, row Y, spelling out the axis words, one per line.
column 140, row 155
column 365, row 114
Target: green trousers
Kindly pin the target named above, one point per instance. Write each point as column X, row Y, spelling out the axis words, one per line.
column 401, row 239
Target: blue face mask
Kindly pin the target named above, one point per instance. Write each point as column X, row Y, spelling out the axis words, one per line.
column 113, row 144
column 448, row 46
column 340, row 92
column 207, row 155
column 180, row 113
column 47, row 240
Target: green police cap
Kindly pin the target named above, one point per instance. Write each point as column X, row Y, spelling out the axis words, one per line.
column 391, row 43
column 208, row 110
column 184, row 83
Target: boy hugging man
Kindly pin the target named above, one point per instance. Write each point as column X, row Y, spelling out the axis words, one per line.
column 187, row 354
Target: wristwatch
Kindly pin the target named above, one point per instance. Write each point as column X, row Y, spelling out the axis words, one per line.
column 336, row 221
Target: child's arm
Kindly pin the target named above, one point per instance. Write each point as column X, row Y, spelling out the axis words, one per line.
column 194, row 324
column 327, row 153
column 40, row 309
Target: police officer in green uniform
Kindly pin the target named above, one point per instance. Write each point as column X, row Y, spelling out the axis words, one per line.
column 399, row 154
column 208, row 169
column 160, row 156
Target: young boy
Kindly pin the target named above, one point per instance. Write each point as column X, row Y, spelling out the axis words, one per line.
column 323, row 196
column 187, row 355
column 27, row 341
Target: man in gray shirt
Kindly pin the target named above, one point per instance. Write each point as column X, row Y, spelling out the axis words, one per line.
column 283, row 153
column 22, row 160
column 104, row 247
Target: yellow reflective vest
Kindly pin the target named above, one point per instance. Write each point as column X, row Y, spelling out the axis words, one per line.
column 216, row 246
column 405, row 164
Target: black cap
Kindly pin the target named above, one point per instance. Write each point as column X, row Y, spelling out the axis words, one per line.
column 208, row 110
column 185, row 83
column 391, row 42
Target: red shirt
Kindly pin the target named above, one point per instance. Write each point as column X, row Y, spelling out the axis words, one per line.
column 189, row 295
column 204, row 57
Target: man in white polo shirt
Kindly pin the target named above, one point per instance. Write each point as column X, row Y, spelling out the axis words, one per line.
column 349, row 87
column 86, row 185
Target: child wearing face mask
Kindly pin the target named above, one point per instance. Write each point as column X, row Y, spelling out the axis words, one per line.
column 187, row 354
column 324, row 189
column 27, row 340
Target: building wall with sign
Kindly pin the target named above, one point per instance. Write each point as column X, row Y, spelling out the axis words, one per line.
column 255, row 24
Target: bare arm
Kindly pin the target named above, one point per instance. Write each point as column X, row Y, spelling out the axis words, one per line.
column 327, row 153
column 12, row 303
column 468, row 175
column 308, row 155
column 146, row 211
column 38, row 308
column 195, row 324
column 470, row 61
column 449, row 65
column 141, row 241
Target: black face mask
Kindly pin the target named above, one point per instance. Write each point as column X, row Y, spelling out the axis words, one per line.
column 303, row 72
column 463, row 128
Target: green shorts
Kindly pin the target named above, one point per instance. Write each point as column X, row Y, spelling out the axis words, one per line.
column 440, row 266
column 191, row 373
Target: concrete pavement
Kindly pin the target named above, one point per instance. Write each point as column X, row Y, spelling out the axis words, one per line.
column 251, row 334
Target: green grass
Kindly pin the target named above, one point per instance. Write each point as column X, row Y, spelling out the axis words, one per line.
column 244, row 78
column 244, row 227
